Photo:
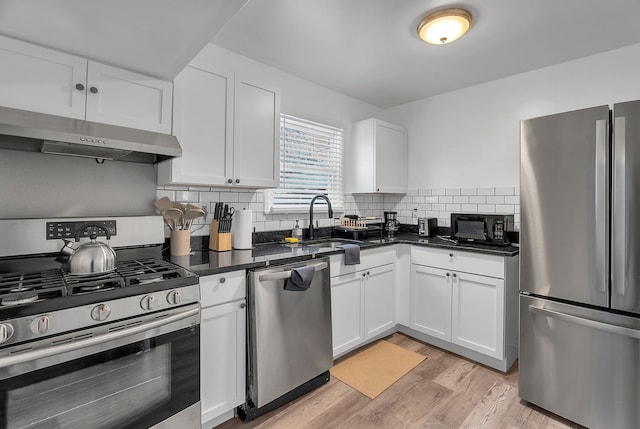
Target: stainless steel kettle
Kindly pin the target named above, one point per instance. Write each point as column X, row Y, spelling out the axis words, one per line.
column 93, row 257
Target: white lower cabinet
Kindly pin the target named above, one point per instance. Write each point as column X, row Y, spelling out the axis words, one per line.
column 466, row 299
column 477, row 313
column 222, row 345
column 362, row 301
column 431, row 301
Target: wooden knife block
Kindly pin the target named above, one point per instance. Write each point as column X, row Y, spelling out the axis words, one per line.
column 219, row 241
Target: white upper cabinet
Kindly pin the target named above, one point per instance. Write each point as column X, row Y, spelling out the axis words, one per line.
column 121, row 97
column 41, row 80
column 229, row 129
column 378, row 158
column 48, row 81
column 256, row 134
column 203, row 124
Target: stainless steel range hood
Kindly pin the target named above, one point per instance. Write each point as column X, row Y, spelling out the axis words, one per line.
column 38, row 132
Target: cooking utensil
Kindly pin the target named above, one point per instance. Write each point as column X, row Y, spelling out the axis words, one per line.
column 180, row 206
column 191, row 214
column 94, row 257
column 173, row 217
column 163, row 203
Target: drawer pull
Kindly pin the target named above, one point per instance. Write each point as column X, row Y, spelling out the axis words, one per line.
column 222, row 280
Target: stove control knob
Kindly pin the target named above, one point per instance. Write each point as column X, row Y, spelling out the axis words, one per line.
column 6, row 332
column 42, row 324
column 100, row 312
column 149, row 302
column 174, row 297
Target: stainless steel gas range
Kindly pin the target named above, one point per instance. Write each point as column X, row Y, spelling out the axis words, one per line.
column 112, row 349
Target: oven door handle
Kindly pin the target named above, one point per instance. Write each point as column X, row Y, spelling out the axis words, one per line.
column 287, row 274
column 32, row 355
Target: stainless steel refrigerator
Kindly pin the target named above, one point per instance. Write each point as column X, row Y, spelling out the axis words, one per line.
column 580, row 265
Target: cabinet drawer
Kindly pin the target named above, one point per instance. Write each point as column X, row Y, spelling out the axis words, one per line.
column 368, row 259
column 221, row 288
column 456, row 260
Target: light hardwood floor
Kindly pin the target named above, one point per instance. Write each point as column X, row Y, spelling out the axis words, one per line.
column 445, row 391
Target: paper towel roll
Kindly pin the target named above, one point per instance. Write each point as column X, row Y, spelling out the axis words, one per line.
column 242, row 229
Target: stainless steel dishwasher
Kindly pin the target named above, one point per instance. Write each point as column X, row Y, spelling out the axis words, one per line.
column 289, row 336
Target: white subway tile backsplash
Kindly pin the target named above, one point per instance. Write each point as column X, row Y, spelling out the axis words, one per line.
column 469, row 191
column 498, row 199
column 486, row 191
column 461, row 199
column 505, row 190
column 419, row 202
column 229, row 197
column 187, row 196
column 512, row 199
column 486, row 208
column 504, row 208
column 209, row 196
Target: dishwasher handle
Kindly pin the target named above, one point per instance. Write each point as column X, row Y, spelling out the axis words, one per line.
column 287, row 274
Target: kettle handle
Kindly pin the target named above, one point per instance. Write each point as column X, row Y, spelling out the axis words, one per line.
column 87, row 225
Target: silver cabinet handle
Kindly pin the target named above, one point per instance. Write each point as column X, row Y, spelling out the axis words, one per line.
column 79, row 87
column 588, row 323
column 111, row 336
column 287, row 274
column 243, row 305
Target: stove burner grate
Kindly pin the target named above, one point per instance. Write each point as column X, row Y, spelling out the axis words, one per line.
column 20, row 288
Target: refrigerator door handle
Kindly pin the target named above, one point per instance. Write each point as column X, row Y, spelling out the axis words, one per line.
column 589, row 323
column 619, row 247
column 600, row 208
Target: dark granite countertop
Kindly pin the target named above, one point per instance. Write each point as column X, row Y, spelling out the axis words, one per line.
column 207, row 262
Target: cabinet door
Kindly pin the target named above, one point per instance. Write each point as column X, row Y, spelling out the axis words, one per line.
column 478, row 313
column 41, row 80
column 222, row 358
column 121, row 97
column 202, row 122
column 379, row 300
column 390, row 158
column 346, row 312
column 256, row 140
column 431, row 301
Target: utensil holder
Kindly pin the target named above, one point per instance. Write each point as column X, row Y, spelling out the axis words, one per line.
column 219, row 241
column 180, row 242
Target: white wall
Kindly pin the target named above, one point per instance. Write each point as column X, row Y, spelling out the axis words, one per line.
column 471, row 137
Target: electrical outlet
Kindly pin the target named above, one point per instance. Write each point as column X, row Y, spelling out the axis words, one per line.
column 415, row 212
column 206, row 211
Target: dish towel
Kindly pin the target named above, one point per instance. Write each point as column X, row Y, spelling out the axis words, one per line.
column 351, row 254
column 301, row 278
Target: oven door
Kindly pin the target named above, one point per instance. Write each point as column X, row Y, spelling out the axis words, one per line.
column 137, row 375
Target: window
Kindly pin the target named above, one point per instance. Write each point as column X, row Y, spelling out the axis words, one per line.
column 310, row 164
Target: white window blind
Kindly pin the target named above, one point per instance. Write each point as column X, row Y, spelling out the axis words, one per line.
column 310, row 163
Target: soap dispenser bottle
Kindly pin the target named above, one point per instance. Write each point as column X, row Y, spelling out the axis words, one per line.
column 296, row 232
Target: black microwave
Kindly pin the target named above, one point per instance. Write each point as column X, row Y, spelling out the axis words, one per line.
column 481, row 228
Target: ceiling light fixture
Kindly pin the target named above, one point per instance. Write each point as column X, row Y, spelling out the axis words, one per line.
column 444, row 26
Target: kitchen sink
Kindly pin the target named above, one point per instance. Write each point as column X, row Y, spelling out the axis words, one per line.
column 329, row 243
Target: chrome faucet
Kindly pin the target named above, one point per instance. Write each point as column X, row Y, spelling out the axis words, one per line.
column 313, row 200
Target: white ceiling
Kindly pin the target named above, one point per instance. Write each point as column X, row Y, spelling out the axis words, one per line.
column 368, row 49
column 154, row 37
